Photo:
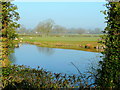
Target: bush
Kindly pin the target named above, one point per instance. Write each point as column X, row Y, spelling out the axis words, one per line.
column 21, row 77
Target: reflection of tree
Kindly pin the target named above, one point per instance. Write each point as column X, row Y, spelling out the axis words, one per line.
column 12, row 58
column 45, row 50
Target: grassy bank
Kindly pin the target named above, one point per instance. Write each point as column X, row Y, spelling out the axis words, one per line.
column 77, row 42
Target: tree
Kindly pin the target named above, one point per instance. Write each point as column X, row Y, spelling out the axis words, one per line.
column 76, row 31
column 8, row 16
column 95, row 31
column 59, row 30
column 109, row 73
column 22, row 30
column 80, row 31
column 45, row 27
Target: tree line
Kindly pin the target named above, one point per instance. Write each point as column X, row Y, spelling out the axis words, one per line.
column 48, row 27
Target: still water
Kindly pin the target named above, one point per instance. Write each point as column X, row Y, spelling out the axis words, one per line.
column 54, row 59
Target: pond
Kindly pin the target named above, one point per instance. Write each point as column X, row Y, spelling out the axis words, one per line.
column 54, row 59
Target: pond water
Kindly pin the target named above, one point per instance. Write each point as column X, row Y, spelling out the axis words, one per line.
column 54, row 59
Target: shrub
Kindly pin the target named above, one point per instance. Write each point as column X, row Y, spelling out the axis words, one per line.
column 21, row 77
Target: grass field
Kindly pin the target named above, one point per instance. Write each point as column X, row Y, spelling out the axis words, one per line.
column 79, row 43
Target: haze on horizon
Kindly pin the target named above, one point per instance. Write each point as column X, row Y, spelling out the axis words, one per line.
column 68, row 14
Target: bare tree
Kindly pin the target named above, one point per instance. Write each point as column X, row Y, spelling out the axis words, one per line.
column 45, row 27
column 22, row 30
column 60, row 30
column 80, row 31
column 95, row 31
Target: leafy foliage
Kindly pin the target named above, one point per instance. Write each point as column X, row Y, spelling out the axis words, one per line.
column 8, row 16
column 21, row 77
column 109, row 74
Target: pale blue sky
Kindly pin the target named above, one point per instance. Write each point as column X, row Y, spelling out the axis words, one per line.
column 68, row 14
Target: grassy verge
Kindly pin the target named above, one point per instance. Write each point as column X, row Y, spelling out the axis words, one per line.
column 77, row 43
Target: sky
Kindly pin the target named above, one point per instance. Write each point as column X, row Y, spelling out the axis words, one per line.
column 60, row 0
column 68, row 14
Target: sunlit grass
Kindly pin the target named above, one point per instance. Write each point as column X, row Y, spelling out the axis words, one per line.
column 66, row 42
column 62, row 39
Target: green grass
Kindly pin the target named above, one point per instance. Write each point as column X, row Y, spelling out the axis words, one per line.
column 61, row 39
column 63, row 42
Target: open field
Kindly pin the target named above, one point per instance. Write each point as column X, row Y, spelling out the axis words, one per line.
column 79, row 43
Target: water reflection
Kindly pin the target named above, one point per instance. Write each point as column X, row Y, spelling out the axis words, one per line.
column 45, row 50
column 53, row 59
